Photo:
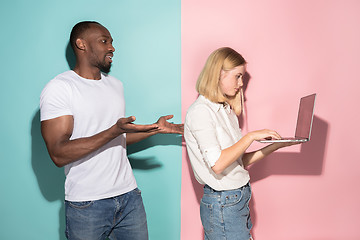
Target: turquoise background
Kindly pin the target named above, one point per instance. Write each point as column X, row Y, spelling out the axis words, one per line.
column 33, row 50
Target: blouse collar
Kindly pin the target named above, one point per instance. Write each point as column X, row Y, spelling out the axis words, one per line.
column 216, row 106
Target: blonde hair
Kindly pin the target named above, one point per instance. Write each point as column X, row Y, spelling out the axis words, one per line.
column 208, row 82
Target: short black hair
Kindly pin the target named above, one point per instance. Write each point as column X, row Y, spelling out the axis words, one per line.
column 78, row 29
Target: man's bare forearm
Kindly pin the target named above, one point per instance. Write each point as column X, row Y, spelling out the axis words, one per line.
column 132, row 138
column 66, row 151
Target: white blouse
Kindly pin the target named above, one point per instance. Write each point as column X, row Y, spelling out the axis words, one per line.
column 209, row 128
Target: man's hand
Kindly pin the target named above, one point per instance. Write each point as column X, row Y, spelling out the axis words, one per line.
column 161, row 126
column 167, row 127
column 125, row 125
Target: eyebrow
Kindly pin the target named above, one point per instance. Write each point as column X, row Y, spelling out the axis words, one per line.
column 105, row 36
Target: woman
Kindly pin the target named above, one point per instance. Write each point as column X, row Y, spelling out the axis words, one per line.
column 216, row 147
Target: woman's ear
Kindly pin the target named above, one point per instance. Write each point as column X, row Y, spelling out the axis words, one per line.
column 222, row 74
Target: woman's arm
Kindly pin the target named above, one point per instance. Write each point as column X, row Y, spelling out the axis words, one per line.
column 231, row 154
column 252, row 157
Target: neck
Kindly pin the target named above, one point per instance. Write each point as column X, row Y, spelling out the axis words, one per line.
column 87, row 72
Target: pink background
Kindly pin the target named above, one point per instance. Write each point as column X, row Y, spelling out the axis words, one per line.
column 293, row 48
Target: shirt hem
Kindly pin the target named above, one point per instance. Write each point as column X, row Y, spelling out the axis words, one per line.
column 104, row 196
column 226, row 188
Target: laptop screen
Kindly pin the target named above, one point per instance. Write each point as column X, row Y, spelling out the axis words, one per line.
column 305, row 117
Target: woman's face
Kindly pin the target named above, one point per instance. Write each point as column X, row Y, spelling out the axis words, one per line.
column 232, row 80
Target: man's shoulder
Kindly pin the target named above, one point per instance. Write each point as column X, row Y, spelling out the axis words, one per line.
column 65, row 76
column 112, row 80
column 110, row 77
column 62, row 78
column 61, row 81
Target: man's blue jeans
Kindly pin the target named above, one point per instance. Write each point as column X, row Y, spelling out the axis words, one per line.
column 226, row 214
column 120, row 217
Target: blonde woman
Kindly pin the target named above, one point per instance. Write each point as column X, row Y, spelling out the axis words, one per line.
column 217, row 149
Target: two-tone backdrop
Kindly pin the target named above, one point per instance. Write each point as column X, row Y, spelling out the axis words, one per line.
column 293, row 48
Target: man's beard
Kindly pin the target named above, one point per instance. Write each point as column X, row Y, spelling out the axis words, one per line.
column 105, row 68
column 102, row 65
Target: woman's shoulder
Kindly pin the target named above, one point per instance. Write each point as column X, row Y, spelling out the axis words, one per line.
column 204, row 103
column 198, row 104
column 201, row 108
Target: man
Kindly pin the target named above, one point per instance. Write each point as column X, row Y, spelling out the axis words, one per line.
column 85, row 131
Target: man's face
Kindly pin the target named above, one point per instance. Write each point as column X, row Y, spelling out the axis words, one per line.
column 99, row 47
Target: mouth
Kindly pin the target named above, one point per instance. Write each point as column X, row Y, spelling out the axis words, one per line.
column 109, row 57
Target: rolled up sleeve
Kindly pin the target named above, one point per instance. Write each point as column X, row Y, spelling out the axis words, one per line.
column 202, row 126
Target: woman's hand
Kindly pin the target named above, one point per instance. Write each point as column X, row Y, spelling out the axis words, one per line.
column 279, row 145
column 264, row 134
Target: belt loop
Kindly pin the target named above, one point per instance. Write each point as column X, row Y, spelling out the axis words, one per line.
column 209, row 188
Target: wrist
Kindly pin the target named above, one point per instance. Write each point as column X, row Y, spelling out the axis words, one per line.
column 276, row 146
column 116, row 131
column 250, row 136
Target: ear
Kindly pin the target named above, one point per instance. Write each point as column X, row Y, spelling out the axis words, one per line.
column 79, row 43
column 223, row 74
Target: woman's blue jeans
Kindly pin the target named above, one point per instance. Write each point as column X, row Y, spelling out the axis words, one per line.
column 225, row 215
column 120, row 217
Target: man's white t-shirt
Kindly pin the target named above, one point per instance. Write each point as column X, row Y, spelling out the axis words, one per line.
column 95, row 105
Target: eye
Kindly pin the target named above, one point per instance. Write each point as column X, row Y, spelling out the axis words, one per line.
column 103, row 41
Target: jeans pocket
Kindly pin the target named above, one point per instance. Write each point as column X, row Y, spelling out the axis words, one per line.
column 206, row 215
column 233, row 199
column 80, row 205
column 138, row 191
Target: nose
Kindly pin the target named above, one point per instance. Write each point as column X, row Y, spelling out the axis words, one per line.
column 240, row 81
column 111, row 48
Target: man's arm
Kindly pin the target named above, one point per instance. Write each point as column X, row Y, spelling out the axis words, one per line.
column 57, row 132
column 163, row 127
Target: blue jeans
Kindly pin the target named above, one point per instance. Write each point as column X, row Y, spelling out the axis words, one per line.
column 226, row 214
column 120, row 217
